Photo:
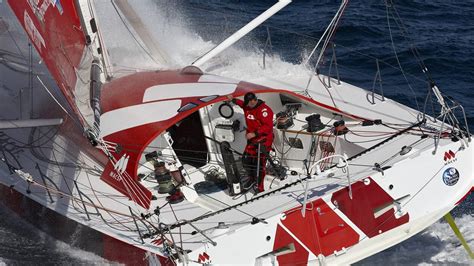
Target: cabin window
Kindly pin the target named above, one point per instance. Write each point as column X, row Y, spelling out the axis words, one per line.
column 208, row 98
column 187, row 107
column 189, row 142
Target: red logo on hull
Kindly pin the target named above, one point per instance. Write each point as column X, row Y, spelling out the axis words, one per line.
column 449, row 155
column 204, row 258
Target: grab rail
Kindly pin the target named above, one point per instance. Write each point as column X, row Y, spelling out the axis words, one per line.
column 343, row 159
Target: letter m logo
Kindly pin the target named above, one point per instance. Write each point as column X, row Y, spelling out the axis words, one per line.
column 449, row 155
column 203, row 258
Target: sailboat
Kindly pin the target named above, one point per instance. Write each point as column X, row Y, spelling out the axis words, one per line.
column 145, row 168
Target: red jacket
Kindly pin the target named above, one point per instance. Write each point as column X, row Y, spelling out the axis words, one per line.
column 259, row 120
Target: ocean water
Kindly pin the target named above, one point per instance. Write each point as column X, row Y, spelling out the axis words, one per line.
column 442, row 31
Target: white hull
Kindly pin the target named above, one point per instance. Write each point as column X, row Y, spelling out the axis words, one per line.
column 66, row 178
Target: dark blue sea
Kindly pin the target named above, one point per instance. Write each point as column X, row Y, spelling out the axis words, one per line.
column 441, row 31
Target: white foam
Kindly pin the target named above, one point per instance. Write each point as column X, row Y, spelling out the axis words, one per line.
column 171, row 31
column 81, row 255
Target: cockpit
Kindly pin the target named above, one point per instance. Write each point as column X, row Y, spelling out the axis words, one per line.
column 201, row 155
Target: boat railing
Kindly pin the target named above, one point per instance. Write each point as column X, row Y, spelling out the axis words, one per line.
column 333, row 61
column 449, row 117
column 343, row 164
column 180, row 251
column 377, row 78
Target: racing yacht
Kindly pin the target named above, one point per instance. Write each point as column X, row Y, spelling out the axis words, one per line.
column 145, row 168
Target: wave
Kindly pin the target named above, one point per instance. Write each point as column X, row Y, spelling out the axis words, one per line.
column 21, row 242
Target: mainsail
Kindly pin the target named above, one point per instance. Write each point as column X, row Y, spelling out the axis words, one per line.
column 56, row 29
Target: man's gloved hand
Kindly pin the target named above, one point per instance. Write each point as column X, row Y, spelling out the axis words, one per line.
column 251, row 135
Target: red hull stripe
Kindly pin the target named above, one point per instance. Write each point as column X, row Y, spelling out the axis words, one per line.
column 322, row 231
column 282, row 239
column 361, row 208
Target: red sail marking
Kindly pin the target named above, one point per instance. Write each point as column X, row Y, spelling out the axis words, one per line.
column 57, row 35
column 360, row 209
column 321, row 230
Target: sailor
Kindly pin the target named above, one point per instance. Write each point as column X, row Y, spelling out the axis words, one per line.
column 259, row 120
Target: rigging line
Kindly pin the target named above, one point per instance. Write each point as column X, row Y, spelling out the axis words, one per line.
column 414, row 49
column 124, row 179
column 43, row 157
column 180, row 235
column 398, row 60
column 398, row 152
column 100, row 202
column 131, row 34
column 373, row 135
column 327, row 89
column 330, row 35
column 333, row 31
column 352, row 50
column 60, row 173
column 326, row 36
column 325, row 33
column 26, row 145
column 362, row 141
column 423, row 132
column 60, row 105
column 85, row 202
column 386, row 140
column 15, row 42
